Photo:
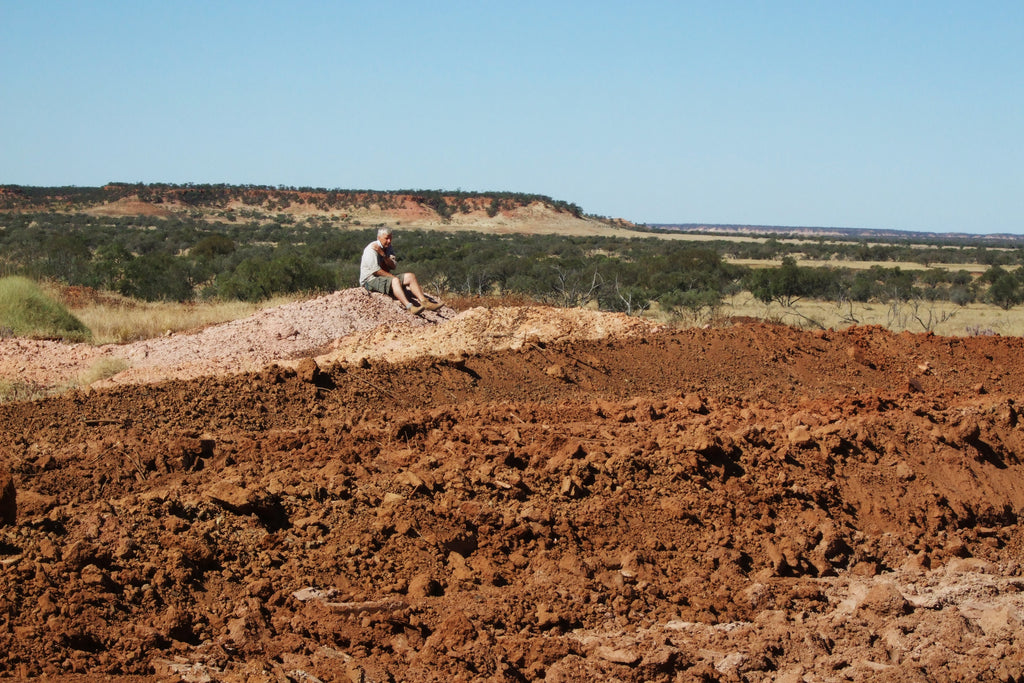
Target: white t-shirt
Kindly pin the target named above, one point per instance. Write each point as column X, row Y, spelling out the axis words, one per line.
column 372, row 261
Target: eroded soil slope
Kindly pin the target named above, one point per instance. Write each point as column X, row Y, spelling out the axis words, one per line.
column 746, row 503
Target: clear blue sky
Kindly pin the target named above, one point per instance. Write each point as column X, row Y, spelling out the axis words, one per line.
column 895, row 114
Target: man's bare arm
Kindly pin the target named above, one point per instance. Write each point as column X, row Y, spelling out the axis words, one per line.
column 388, row 262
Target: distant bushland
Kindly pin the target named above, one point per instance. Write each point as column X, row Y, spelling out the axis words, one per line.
column 236, row 243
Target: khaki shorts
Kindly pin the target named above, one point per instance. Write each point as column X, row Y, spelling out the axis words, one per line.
column 379, row 283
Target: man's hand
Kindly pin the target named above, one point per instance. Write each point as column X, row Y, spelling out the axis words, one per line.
column 387, row 263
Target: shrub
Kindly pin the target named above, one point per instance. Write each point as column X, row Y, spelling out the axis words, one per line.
column 256, row 279
column 789, row 282
column 156, row 277
column 213, row 245
column 690, row 303
column 961, row 296
column 27, row 311
column 1004, row 291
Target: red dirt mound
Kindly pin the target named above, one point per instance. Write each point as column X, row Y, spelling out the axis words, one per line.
column 747, row 503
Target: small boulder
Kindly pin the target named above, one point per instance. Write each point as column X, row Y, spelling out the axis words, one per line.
column 904, row 471
column 857, row 355
column 801, row 436
column 232, row 496
column 423, row 585
column 885, row 599
column 1000, row 623
column 694, row 403
column 557, row 372
column 455, row 633
column 618, row 655
column 308, row 371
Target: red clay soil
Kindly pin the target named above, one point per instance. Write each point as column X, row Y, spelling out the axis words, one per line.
column 748, row 503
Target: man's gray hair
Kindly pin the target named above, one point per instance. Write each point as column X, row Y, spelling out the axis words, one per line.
column 381, row 231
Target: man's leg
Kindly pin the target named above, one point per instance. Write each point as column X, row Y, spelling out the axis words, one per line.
column 413, row 284
column 391, row 286
column 399, row 292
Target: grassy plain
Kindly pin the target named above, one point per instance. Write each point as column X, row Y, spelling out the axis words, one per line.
column 117, row 320
column 135, row 320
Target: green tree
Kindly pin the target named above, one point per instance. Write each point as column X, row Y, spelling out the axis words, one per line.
column 1004, row 290
column 690, row 303
column 109, row 266
column 67, row 257
column 494, row 208
column 157, row 277
column 212, row 246
column 256, row 279
column 786, row 284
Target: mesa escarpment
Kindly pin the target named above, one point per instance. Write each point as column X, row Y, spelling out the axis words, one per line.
column 426, row 209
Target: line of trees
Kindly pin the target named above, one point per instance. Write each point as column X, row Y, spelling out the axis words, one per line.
column 188, row 259
column 829, row 252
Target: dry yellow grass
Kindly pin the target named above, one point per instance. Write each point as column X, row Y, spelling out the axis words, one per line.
column 14, row 391
column 941, row 317
column 121, row 320
column 102, row 369
column 18, row 391
column 125, row 320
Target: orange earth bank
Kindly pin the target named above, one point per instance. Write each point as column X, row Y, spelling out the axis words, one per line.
column 337, row 491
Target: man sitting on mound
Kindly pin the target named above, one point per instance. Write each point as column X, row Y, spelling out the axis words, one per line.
column 375, row 274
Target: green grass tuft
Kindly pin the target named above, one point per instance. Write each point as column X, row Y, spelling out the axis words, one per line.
column 27, row 311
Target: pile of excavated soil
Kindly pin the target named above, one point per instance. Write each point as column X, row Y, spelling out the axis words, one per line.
column 526, row 494
column 349, row 325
